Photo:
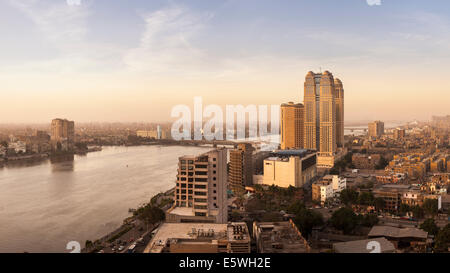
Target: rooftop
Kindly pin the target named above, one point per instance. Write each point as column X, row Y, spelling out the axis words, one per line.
column 195, row 233
column 361, row 246
column 280, row 237
column 394, row 232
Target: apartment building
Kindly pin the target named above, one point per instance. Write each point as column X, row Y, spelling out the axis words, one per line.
column 240, row 172
column 201, row 189
column 328, row 187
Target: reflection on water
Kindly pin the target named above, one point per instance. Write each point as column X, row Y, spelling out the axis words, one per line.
column 62, row 163
column 43, row 206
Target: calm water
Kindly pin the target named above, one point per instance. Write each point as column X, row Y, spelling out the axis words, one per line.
column 42, row 207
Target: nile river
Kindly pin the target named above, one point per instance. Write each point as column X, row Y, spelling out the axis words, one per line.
column 46, row 205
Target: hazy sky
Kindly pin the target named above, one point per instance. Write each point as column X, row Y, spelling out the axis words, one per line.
column 111, row 60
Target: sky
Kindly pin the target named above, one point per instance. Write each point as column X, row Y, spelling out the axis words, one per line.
column 111, row 60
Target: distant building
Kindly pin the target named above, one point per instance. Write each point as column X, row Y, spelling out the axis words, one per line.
column 363, row 161
column 18, row 147
column 328, row 187
column 279, row 237
column 240, row 172
column 376, row 129
column 155, row 134
column 292, row 126
column 290, row 168
column 399, row 134
column 201, row 189
column 200, row 238
column 62, row 135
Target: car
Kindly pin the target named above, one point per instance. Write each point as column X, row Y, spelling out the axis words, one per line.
column 120, row 248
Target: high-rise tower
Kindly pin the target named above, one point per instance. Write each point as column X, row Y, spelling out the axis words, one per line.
column 339, row 95
column 324, row 115
column 292, row 126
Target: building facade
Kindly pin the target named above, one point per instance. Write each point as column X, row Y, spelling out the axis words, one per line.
column 376, row 129
column 290, row 168
column 201, row 189
column 62, row 135
column 324, row 115
column 240, row 172
column 328, row 187
column 292, row 126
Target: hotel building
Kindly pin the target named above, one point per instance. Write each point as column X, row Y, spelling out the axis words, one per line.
column 62, row 135
column 292, row 126
column 324, row 116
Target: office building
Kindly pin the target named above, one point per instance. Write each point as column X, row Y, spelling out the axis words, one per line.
column 324, row 116
column 399, row 134
column 62, row 135
column 201, row 189
column 292, row 126
column 290, row 168
column 240, row 172
column 376, row 129
column 339, row 96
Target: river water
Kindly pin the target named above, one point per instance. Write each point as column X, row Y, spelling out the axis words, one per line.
column 48, row 204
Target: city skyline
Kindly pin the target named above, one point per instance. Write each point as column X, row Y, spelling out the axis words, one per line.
column 67, row 61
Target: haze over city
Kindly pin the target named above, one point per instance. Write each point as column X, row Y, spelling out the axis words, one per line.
column 134, row 61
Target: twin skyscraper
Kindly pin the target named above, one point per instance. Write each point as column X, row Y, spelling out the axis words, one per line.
column 318, row 123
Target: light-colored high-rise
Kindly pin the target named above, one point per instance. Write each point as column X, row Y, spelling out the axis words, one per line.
column 376, row 129
column 62, row 134
column 201, row 189
column 324, row 113
column 339, row 95
column 327, row 115
column 292, row 126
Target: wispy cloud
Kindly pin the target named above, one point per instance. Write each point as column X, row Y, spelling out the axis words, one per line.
column 167, row 42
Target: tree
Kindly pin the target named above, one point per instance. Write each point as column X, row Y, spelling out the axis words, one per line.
column 430, row 206
column 349, row 196
column 305, row 219
column 404, row 208
column 418, row 212
column 369, row 220
column 366, row 198
column 88, row 244
column 379, row 203
column 344, row 219
column 430, row 226
column 150, row 214
column 382, row 164
column 442, row 241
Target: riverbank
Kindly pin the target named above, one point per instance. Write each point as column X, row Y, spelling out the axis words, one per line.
column 132, row 231
column 35, row 158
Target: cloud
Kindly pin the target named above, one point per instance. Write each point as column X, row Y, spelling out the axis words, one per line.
column 167, row 42
column 373, row 2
